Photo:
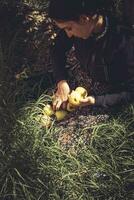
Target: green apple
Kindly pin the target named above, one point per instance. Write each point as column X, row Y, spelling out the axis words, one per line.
column 48, row 110
column 60, row 114
column 82, row 91
column 74, row 98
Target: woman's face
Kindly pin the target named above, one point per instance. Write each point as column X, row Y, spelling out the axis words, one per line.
column 81, row 29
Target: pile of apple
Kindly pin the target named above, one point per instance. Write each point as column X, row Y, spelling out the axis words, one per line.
column 74, row 99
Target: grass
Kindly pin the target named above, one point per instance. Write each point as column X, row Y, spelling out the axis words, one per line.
column 37, row 168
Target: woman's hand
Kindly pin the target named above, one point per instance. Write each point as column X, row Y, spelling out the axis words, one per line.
column 61, row 95
column 90, row 100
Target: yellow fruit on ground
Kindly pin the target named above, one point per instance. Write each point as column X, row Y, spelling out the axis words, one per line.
column 45, row 121
column 70, row 107
column 38, row 117
column 60, row 114
column 48, row 110
column 74, row 98
column 82, row 91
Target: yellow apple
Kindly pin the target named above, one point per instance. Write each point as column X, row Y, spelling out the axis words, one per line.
column 45, row 121
column 38, row 117
column 70, row 107
column 60, row 114
column 48, row 110
column 74, row 98
column 82, row 91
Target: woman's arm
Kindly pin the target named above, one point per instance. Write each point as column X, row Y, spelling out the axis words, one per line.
column 109, row 100
column 61, row 45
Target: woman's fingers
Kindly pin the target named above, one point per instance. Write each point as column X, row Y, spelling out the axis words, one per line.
column 57, row 103
column 90, row 100
column 60, row 100
column 64, row 105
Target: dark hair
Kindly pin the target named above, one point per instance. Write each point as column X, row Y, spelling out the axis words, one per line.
column 72, row 9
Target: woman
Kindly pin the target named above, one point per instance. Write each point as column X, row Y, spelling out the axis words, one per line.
column 104, row 48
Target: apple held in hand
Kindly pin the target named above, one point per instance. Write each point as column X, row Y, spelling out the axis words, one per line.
column 74, row 98
column 82, row 91
column 48, row 110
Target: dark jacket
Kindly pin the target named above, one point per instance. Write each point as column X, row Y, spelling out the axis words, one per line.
column 108, row 59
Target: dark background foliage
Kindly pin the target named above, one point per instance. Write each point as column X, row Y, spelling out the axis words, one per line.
column 24, row 34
